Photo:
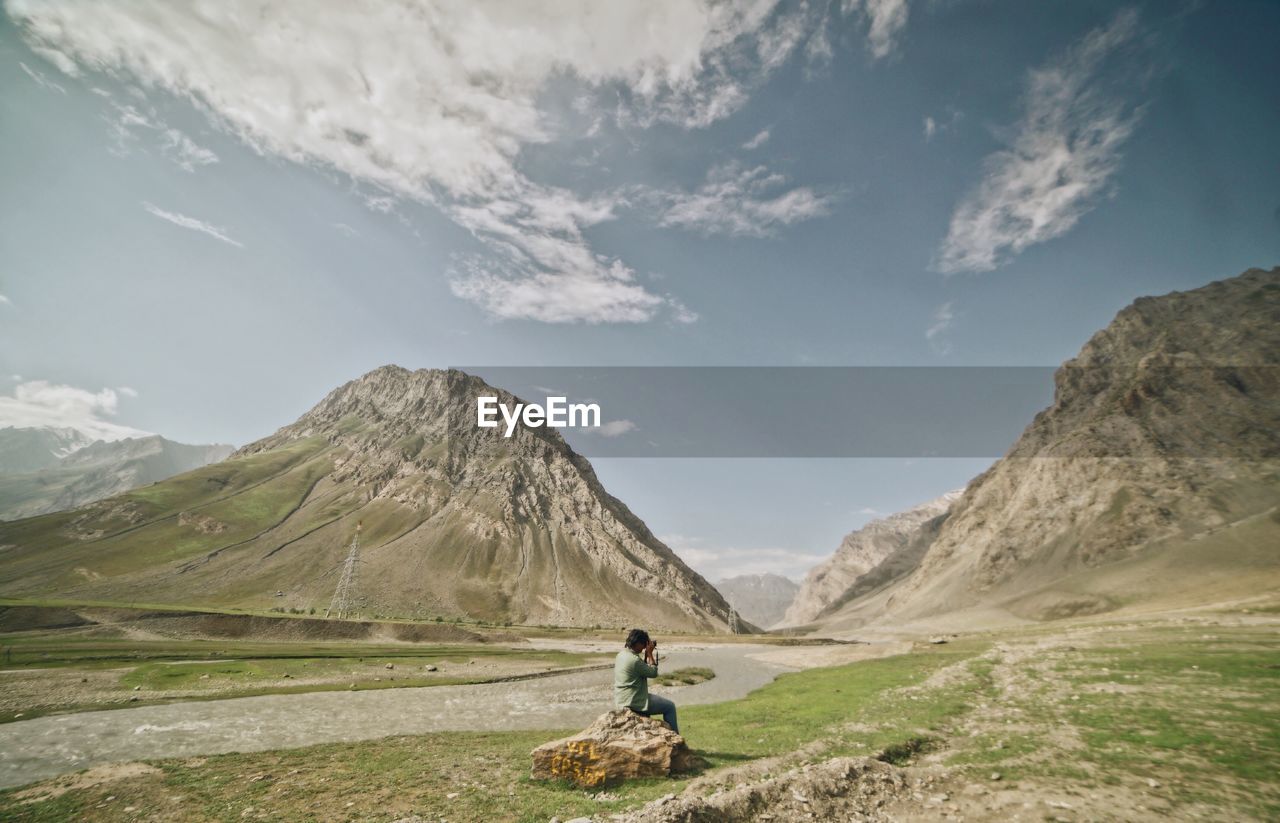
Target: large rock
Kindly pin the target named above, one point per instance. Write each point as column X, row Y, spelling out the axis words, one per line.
column 618, row 745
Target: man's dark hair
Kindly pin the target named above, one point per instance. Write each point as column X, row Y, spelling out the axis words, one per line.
column 637, row 636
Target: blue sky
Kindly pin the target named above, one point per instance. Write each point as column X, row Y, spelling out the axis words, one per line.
column 212, row 215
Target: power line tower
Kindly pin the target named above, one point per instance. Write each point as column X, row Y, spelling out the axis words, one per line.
column 341, row 603
column 733, row 620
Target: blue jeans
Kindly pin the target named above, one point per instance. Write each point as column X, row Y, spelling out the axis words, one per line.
column 664, row 707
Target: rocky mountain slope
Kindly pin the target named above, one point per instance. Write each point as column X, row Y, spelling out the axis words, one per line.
column 1153, row 477
column 46, row 470
column 761, row 599
column 859, row 553
column 454, row 520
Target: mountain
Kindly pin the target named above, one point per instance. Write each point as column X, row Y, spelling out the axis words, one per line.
column 859, row 553
column 24, row 450
column 46, row 470
column 761, row 599
column 452, row 520
column 1152, row 481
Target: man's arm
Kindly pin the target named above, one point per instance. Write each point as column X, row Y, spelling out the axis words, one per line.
column 646, row 669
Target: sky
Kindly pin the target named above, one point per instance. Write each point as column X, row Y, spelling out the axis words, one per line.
column 214, row 213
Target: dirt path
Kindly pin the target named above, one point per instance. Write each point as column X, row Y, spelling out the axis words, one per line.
column 58, row 744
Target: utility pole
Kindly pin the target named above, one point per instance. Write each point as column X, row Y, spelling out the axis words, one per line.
column 341, row 603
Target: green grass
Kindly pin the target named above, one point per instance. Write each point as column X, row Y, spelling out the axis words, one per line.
column 489, row 771
column 1196, row 710
column 688, row 676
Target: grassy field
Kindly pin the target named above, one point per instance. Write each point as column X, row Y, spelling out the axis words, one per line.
column 1123, row 722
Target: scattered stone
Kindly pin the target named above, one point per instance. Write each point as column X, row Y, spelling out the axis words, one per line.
column 430, row 668
column 938, row 641
column 287, row 676
column 137, row 688
column 620, row 744
column 1152, row 783
column 995, row 775
column 843, row 788
column 391, row 665
column 204, row 677
column 133, row 699
column 451, row 795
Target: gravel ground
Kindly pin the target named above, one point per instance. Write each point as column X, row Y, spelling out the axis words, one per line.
column 45, row 747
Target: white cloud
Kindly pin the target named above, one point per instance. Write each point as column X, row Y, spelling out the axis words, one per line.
column 126, row 122
column 192, row 223
column 757, row 141
column 1062, row 157
column 741, row 201
column 716, row 562
column 886, row 19
column 184, row 151
column 615, row 428
column 938, row 327
column 934, row 126
column 40, row 403
column 127, row 391
column 5, row 301
column 435, row 101
column 40, row 79
column 867, row 510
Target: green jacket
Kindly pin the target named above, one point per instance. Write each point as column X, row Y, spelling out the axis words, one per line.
column 631, row 681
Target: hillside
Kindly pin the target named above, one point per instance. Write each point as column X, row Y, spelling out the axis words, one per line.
column 1152, row 480
column 761, row 599
column 456, row 521
column 860, row 552
column 45, row 470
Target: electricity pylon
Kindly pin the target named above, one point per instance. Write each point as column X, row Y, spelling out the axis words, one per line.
column 341, row 603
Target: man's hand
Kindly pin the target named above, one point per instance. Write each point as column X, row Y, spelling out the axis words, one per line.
column 650, row 655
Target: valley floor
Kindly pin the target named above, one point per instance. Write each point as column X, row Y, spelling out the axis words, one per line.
column 1160, row 719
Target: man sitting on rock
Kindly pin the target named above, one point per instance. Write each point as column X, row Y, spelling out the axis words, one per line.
column 631, row 679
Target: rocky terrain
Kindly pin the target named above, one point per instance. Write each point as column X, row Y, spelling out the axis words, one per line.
column 454, row 520
column 861, row 551
column 761, row 599
column 1153, row 477
column 46, row 470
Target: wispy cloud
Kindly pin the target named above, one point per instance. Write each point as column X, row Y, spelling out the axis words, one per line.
column 184, row 151
column 614, row 428
column 192, row 223
column 938, row 327
column 716, row 562
column 742, row 201
column 39, row 403
column 756, row 142
column 1064, row 153
column 128, row 124
column 5, row 301
column 886, row 20
column 452, row 132
column 40, row 79
column 934, row 126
